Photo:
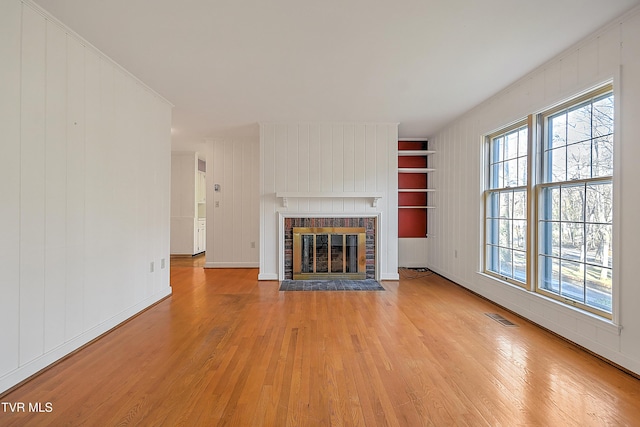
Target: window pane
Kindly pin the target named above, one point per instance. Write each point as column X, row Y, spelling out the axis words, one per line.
column 599, row 202
column 599, row 244
column 603, row 156
column 505, row 233
column 520, row 234
column 493, row 258
column 550, row 238
column 572, row 280
column 550, row 203
column 493, row 208
column 493, row 232
column 572, row 203
column 557, row 165
column 506, row 264
column 603, row 116
column 506, row 203
column 511, row 173
column 599, row 287
column 549, row 274
column 558, row 130
column 495, row 176
column 497, row 150
column 501, row 173
column 579, row 124
column 523, row 142
column 511, row 146
column 519, row 266
column 520, row 204
column 522, row 172
column 572, row 239
column 579, row 160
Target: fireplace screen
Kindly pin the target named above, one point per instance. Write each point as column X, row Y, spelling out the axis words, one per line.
column 329, row 253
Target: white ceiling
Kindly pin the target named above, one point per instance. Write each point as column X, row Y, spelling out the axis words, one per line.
column 228, row 64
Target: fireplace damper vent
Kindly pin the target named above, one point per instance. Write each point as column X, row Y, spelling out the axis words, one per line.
column 329, row 253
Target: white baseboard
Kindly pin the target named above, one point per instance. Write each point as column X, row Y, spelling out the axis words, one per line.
column 231, row 265
column 392, row 276
column 267, row 276
column 34, row 366
column 413, row 265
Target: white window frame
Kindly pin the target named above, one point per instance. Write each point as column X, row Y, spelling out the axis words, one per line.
column 543, row 184
column 488, row 190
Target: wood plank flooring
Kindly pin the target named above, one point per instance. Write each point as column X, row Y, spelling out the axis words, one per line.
column 226, row 349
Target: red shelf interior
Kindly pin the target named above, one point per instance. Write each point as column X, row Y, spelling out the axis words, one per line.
column 412, row 222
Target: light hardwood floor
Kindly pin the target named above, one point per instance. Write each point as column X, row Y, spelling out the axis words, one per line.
column 226, row 349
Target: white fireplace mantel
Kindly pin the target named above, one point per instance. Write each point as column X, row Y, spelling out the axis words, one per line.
column 285, row 196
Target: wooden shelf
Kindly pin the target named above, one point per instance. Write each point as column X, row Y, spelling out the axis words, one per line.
column 403, row 153
column 415, row 170
column 415, row 190
column 416, row 207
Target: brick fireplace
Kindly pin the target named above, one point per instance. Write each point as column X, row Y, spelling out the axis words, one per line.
column 368, row 224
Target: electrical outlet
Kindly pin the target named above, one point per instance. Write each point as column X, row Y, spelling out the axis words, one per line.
column 253, row 245
column 151, row 267
column 162, row 263
column 455, row 253
column 217, row 204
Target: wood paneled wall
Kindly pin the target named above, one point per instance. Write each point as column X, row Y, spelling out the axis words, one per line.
column 233, row 213
column 84, row 192
column 456, row 226
column 328, row 157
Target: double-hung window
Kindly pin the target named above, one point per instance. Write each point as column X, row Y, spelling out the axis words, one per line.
column 575, row 226
column 571, row 185
column 506, row 204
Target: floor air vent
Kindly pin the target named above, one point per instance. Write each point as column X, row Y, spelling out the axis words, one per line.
column 500, row 319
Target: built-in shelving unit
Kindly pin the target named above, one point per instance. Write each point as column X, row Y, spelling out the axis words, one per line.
column 413, row 188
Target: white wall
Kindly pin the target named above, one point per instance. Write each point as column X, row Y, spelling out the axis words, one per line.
column 84, row 193
column 456, row 223
column 329, row 157
column 412, row 251
column 184, row 165
column 233, row 224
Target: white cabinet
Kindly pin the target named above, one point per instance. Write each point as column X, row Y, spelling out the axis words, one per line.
column 200, row 238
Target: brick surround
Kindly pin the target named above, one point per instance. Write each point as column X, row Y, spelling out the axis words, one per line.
column 368, row 223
